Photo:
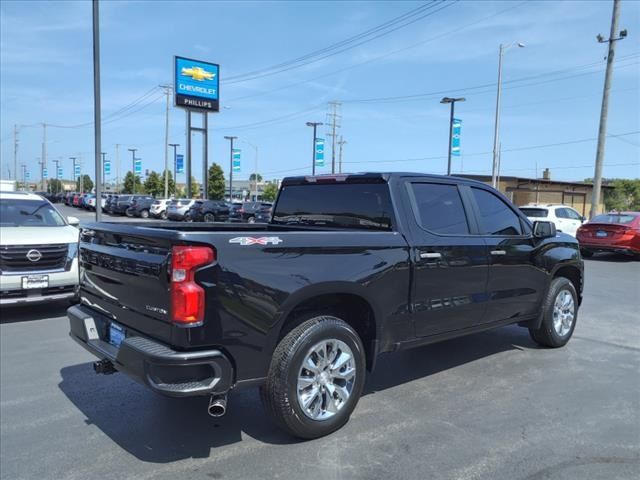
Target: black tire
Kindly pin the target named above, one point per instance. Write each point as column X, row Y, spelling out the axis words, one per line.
column 280, row 395
column 547, row 335
column 586, row 253
column 144, row 213
column 209, row 217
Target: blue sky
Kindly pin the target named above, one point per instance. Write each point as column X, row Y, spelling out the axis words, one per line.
column 46, row 76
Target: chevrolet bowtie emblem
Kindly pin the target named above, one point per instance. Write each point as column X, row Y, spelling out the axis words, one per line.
column 197, row 73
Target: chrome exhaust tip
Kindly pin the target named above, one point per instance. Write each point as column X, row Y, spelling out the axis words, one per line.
column 217, row 405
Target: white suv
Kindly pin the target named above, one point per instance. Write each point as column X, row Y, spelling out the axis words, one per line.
column 567, row 219
column 159, row 208
column 38, row 251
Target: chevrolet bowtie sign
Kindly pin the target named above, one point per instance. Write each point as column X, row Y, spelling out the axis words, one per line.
column 196, row 84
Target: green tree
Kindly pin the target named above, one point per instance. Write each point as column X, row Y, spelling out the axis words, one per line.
column 269, row 193
column 195, row 188
column 55, row 185
column 154, row 185
column 172, row 183
column 252, row 177
column 131, row 183
column 87, row 184
column 216, row 187
column 624, row 196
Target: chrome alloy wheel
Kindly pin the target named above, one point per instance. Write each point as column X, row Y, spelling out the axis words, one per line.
column 326, row 379
column 564, row 312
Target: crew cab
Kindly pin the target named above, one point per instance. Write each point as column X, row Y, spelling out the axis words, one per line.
column 349, row 266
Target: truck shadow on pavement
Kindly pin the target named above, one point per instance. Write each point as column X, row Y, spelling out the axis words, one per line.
column 159, row 429
column 27, row 313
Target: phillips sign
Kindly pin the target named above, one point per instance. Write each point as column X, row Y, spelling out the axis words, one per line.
column 196, row 84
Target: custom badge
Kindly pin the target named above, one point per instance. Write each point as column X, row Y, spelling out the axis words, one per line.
column 244, row 241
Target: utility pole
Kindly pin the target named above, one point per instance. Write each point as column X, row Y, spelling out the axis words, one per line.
column 175, row 162
column 41, row 163
column 452, row 101
column 24, row 177
column 167, row 91
column 333, row 118
column 341, row 142
column 604, row 111
column 97, row 125
column 44, row 151
column 315, row 126
column 231, row 139
column 117, row 168
column 73, row 159
column 15, row 152
column 133, row 166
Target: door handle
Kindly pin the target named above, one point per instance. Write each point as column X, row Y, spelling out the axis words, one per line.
column 430, row 255
column 498, row 252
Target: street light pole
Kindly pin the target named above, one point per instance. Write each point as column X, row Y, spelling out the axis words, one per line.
column 96, row 107
column 56, row 162
column 103, row 155
column 315, row 126
column 496, row 130
column 452, row 101
column 133, row 166
column 231, row 139
column 175, row 160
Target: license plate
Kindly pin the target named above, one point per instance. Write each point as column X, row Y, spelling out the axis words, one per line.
column 601, row 233
column 116, row 334
column 35, row 281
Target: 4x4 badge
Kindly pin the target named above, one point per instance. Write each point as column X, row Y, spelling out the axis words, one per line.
column 244, row 241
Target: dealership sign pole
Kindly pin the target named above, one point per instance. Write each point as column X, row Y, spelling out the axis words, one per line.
column 196, row 89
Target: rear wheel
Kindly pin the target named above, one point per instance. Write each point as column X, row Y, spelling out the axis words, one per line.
column 586, row 253
column 251, row 220
column 559, row 314
column 163, row 215
column 315, row 378
column 209, row 217
column 144, row 213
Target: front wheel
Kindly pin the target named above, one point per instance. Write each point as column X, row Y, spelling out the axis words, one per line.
column 559, row 314
column 586, row 253
column 316, row 377
column 144, row 213
column 209, row 217
column 251, row 220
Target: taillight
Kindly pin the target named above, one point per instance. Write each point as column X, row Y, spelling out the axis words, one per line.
column 187, row 297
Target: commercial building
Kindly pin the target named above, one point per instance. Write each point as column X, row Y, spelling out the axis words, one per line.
column 521, row 191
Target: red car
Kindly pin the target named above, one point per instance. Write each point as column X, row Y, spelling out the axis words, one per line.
column 611, row 232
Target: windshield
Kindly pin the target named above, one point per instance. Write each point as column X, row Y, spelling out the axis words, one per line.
column 29, row 213
column 614, row 218
column 535, row 212
column 361, row 206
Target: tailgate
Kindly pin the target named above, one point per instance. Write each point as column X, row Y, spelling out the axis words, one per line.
column 124, row 276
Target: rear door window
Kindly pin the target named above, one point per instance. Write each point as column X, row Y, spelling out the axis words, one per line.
column 496, row 217
column 343, row 205
column 438, row 208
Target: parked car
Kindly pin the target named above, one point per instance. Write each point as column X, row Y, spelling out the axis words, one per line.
column 140, row 207
column 110, row 206
column 121, row 204
column 177, row 208
column 38, row 251
column 77, row 200
column 159, row 208
column 90, row 202
column 349, row 267
column 208, row 211
column 249, row 210
column 566, row 218
column 263, row 214
column 611, row 232
column 235, row 214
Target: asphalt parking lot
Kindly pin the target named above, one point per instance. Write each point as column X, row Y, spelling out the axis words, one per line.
column 491, row 405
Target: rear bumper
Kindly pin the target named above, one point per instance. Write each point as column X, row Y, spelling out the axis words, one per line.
column 620, row 248
column 168, row 372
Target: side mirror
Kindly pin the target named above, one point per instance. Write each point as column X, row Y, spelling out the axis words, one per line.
column 544, row 229
column 74, row 221
column 584, row 219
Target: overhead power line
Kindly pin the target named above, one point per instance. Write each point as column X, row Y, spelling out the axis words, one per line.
column 386, row 28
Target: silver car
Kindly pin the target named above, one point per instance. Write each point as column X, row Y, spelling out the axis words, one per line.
column 38, row 251
column 178, row 208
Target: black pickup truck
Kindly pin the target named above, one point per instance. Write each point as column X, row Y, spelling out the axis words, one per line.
column 349, row 267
